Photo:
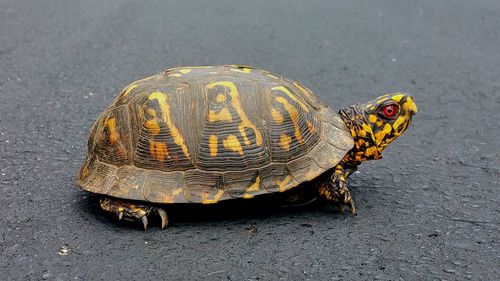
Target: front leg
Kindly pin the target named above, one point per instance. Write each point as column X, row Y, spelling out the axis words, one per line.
column 334, row 188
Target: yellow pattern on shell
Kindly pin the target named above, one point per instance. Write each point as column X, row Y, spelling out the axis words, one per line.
column 235, row 102
column 303, row 89
column 254, row 187
column 285, row 141
column 158, row 150
column 165, row 115
column 222, row 115
column 213, row 142
column 206, row 200
column 277, row 117
column 114, row 136
column 185, row 70
column 152, row 125
column 283, row 184
column 292, row 96
column 294, row 115
column 220, row 98
column 129, row 89
column 242, row 69
column 232, row 143
column 310, row 126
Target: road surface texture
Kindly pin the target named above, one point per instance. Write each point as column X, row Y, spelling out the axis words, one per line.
column 428, row 211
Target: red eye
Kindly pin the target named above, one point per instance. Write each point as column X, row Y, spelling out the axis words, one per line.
column 390, row 111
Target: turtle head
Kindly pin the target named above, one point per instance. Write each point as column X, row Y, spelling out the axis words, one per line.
column 375, row 124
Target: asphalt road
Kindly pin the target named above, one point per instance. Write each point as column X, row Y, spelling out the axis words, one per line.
column 429, row 210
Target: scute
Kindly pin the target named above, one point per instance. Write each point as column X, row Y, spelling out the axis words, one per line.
column 206, row 134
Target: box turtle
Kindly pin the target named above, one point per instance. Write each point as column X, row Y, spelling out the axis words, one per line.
column 211, row 133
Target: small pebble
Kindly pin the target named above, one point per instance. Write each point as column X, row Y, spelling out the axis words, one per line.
column 65, row 250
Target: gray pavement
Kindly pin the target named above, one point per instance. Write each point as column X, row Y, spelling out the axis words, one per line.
column 428, row 211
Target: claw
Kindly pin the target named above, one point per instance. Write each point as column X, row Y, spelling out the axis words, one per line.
column 120, row 216
column 163, row 216
column 145, row 222
column 352, row 207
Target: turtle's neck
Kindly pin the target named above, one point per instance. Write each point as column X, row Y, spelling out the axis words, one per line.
column 365, row 147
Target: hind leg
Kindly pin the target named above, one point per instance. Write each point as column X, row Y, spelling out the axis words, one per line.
column 132, row 211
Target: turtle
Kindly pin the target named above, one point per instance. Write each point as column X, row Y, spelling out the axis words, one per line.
column 204, row 134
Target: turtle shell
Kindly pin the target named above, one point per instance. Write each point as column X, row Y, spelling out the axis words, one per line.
column 205, row 134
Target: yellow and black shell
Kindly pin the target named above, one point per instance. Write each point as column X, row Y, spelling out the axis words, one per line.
column 206, row 134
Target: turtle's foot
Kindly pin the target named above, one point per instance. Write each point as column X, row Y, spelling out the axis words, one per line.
column 131, row 211
column 336, row 191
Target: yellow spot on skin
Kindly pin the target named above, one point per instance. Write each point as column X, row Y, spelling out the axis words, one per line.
column 397, row 98
column 175, row 75
column 278, row 118
column 114, row 136
column 379, row 136
column 381, row 100
column 220, row 98
column 360, row 143
column 372, row 118
column 293, row 97
column 283, row 184
column 232, row 143
column 387, row 128
column 223, row 115
column 177, row 191
column 272, row 76
column 212, row 144
column 165, row 114
column 371, row 151
column 366, row 128
column 362, row 133
column 410, row 105
column 185, row 70
column 129, row 89
column 285, row 141
column 380, row 123
column 398, row 122
column 294, row 115
column 158, row 150
column 235, row 102
column 372, row 108
column 353, row 133
column 217, row 197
